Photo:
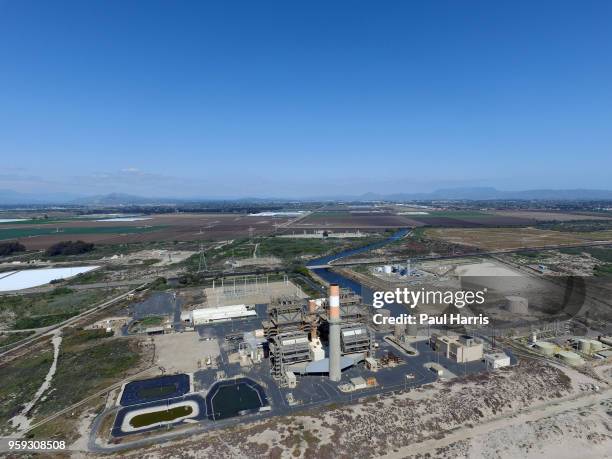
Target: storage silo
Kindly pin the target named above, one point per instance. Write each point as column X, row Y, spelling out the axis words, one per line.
column 584, row 346
column 387, row 269
column 399, row 331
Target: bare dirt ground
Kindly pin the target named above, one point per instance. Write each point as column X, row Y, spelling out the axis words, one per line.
column 346, row 220
column 512, row 238
column 538, row 403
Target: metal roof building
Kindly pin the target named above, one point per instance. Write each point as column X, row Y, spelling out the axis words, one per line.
column 221, row 313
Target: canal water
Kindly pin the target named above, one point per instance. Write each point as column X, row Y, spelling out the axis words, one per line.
column 344, row 282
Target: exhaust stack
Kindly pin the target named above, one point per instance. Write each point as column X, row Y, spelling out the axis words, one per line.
column 334, row 333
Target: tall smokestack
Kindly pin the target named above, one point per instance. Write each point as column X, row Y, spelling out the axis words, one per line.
column 334, row 333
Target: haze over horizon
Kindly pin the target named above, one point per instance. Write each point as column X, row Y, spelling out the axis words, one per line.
column 300, row 100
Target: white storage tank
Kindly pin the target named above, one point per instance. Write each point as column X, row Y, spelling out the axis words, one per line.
column 584, row 346
column 387, row 269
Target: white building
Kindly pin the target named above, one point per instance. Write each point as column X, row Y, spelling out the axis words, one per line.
column 220, row 313
column 497, row 360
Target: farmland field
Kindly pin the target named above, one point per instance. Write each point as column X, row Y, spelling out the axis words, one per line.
column 355, row 220
column 162, row 227
column 385, row 219
column 549, row 216
column 512, row 238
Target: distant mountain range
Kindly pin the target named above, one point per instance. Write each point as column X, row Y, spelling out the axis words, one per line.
column 489, row 193
column 11, row 198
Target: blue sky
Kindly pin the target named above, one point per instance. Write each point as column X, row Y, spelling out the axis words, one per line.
column 304, row 98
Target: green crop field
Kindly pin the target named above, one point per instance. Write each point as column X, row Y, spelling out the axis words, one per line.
column 16, row 233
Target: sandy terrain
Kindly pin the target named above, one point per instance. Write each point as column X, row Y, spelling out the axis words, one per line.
column 511, row 238
column 511, row 413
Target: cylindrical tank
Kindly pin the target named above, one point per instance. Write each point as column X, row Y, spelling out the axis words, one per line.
column 587, row 346
column 387, row 269
column 399, row 330
column 545, row 348
column 584, row 346
column 517, row 305
column 606, row 340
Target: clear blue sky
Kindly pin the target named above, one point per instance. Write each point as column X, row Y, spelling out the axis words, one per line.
column 304, row 98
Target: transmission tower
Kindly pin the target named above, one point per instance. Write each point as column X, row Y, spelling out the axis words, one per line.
column 202, row 261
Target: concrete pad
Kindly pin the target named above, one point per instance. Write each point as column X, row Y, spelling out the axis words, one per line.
column 180, row 352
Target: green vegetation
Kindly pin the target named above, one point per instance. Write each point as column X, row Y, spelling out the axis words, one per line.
column 90, row 277
column 152, row 321
column 69, row 248
column 15, row 233
column 455, row 214
column 578, row 226
column 603, row 270
column 89, row 360
column 44, row 309
column 24, row 323
column 528, row 254
column 19, row 381
column 6, row 339
column 600, row 253
column 9, row 248
column 147, row 419
column 289, row 248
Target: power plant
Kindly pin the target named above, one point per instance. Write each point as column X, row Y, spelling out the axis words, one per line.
column 297, row 333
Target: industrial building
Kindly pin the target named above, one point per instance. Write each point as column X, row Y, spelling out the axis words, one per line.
column 323, row 336
column 497, row 360
column 463, row 348
column 219, row 314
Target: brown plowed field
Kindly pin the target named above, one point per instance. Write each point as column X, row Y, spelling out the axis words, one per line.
column 165, row 227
